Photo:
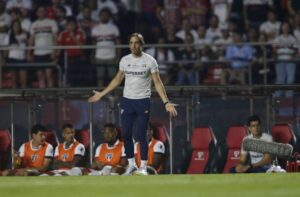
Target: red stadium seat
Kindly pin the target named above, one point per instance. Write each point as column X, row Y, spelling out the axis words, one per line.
column 203, row 140
column 51, row 138
column 83, row 136
column 5, row 143
column 283, row 133
column 214, row 74
column 234, row 140
column 160, row 133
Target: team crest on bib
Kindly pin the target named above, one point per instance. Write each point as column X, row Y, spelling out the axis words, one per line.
column 64, row 157
column 108, row 156
column 34, row 157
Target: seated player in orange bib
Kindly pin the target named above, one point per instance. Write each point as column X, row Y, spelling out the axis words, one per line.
column 68, row 155
column 34, row 157
column 110, row 158
column 156, row 152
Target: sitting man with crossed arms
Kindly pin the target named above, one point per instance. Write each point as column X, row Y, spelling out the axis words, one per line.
column 156, row 152
column 110, row 158
column 68, row 155
column 34, row 157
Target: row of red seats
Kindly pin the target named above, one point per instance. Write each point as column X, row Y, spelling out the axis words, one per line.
column 205, row 149
column 203, row 142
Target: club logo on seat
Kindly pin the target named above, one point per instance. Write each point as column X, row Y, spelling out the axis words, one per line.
column 236, row 154
column 200, row 156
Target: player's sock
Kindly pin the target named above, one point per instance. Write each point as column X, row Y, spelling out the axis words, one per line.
column 144, row 164
column 131, row 162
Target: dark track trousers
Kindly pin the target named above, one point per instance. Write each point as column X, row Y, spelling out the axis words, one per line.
column 135, row 111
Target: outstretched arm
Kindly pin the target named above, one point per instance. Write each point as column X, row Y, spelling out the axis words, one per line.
column 170, row 107
column 117, row 80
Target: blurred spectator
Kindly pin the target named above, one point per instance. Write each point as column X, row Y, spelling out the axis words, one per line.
column 271, row 26
column 255, row 12
column 25, row 6
column 262, row 53
column 163, row 56
column 213, row 32
column 222, row 9
column 297, row 30
column 110, row 5
column 18, row 39
column 187, row 73
column 171, row 12
column 232, row 27
column 285, row 51
column 239, row 56
column 203, row 43
column 43, row 34
column 171, row 37
column 86, row 23
column 52, row 10
column 73, row 36
column 60, row 18
column 5, row 21
column 293, row 7
column 185, row 29
column 251, row 35
column 92, row 4
column 106, row 36
column 195, row 11
column 221, row 44
column 25, row 21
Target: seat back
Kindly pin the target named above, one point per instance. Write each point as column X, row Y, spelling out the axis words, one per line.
column 234, row 139
column 51, row 138
column 202, row 139
column 83, row 136
column 5, row 143
column 160, row 133
column 214, row 73
column 283, row 133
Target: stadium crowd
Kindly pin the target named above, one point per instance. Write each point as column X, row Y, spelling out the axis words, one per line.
column 214, row 34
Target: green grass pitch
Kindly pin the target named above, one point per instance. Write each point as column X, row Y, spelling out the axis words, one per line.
column 240, row 185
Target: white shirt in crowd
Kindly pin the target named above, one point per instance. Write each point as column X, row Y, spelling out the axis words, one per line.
column 269, row 27
column 5, row 20
column 22, row 4
column 181, row 34
column 221, row 9
column 18, row 53
column 161, row 58
column 43, row 32
column 286, row 46
column 137, row 72
column 105, row 36
column 254, row 156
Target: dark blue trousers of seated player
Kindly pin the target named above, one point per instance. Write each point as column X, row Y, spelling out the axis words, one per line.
column 135, row 111
column 261, row 169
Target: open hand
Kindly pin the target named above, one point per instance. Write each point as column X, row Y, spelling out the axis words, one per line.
column 170, row 107
column 96, row 97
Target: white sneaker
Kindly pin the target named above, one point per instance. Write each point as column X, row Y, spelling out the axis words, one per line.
column 130, row 170
column 141, row 171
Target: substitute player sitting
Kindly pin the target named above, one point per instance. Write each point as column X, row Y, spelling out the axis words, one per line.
column 68, row 155
column 258, row 162
column 110, row 158
column 34, row 156
column 156, row 152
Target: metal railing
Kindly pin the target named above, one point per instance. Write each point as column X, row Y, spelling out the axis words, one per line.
column 198, row 59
